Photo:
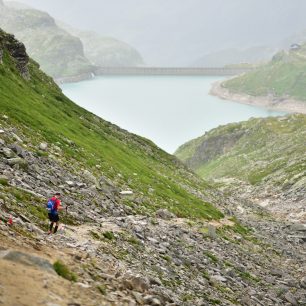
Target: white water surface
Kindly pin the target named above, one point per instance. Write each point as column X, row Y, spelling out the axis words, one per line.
column 169, row 110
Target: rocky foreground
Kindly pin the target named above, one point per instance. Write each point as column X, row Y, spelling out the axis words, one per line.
column 117, row 257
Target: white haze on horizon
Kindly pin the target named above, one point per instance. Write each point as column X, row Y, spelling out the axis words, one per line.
column 176, row 32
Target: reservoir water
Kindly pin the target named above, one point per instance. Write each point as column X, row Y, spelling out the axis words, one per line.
column 169, row 110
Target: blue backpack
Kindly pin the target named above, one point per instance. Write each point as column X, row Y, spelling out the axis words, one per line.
column 51, row 207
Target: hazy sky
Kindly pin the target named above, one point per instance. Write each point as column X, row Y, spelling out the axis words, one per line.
column 180, row 31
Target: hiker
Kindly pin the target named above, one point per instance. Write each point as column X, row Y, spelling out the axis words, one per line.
column 54, row 206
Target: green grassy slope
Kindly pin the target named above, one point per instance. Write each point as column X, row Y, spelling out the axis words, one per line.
column 284, row 76
column 39, row 108
column 254, row 150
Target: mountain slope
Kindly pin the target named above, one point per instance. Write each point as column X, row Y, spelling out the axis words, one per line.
column 284, row 77
column 58, row 52
column 106, row 51
column 268, row 155
column 62, row 51
column 117, row 248
column 40, row 104
column 254, row 55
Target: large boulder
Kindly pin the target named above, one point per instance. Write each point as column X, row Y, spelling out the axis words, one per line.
column 303, row 282
column 136, row 283
column 165, row 214
column 107, row 187
column 18, row 150
column 8, row 152
column 27, row 259
column 43, row 146
column 90, row 177
column 17, row 161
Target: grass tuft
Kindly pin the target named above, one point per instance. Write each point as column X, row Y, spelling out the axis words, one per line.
column 62, row 270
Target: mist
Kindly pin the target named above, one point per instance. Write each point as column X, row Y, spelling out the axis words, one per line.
column 172, row 32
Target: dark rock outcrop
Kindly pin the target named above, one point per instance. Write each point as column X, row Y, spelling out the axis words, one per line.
column 213, row 147
column 17, row 51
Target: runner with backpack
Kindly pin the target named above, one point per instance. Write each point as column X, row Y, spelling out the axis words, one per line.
column 53, row 207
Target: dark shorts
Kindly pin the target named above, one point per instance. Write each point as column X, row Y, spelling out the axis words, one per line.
column 53, row 217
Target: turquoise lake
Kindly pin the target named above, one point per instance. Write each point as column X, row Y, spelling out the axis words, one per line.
column 169, row 110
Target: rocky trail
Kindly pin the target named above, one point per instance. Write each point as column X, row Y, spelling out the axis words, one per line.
column 117, row 256
column 136, row 260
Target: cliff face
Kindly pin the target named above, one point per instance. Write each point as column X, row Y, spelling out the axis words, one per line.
column 213, row 147
column 17, row 51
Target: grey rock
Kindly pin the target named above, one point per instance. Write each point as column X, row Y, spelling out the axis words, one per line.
column 8, row 152
column 90, row 177
column 155, row 281
column 107, row 186
column 17, row 138
column 303, row 282
column 218, row 278
column 18, row 150
column 17, row 50
column 70, row 183
column 136, row 283
column 27, row 259
column 17, row 161
column 212, row 231
column 289, row 297
column 138, row 297
column 298, row 227
column 43, row 146
column 152, row 300
column 277, row 272
column 165, row 214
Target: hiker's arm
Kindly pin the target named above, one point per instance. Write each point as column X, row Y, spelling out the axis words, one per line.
column 59, row 206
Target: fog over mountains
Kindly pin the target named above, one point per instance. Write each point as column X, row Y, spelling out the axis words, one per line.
column 172, row 32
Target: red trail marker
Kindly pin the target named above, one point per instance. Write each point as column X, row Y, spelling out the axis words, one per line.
column 10, row 221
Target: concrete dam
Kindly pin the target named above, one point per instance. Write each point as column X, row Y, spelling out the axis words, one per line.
column 158, row 71
column 171, row 71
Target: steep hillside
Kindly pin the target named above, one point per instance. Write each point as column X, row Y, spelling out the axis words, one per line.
column 281, row 80
column 61, row 51
column 138, row 228
column 58, row 52
column 131, row 161
column 106, row 51
column 266, row 154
